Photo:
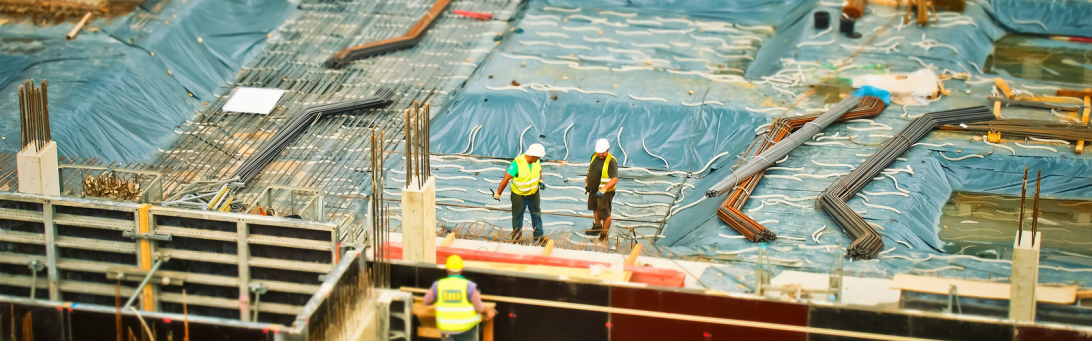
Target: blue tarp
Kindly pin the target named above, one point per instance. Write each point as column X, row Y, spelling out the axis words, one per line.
column 109, row 96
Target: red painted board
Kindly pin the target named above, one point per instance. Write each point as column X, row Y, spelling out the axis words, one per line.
column 641, row 274
column 1037, row 333
column 629, row 327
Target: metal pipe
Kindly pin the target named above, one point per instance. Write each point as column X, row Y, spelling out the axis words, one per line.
column 1035, row 210
column 1023, row 195
column 144, row 282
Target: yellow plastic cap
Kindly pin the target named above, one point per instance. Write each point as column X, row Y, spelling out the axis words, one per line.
column 455, row 263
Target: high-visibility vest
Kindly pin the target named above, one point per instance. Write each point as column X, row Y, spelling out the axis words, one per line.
column 454, row 312
column 526, row 182
column 605, row 178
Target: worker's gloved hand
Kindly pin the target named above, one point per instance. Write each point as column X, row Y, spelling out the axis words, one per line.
column 541, row 186
column 496, row 196
column 598, row 194
column 489, row 314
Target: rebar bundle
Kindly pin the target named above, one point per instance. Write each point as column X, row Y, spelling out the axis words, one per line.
column 34, row 116
column 111, row 187
column 1028, row 128
column 417, row 144
column 779, row 150
column 867, row 242
column 272, row 149
column 343, row 57
column 729, row 211
column 380, row 271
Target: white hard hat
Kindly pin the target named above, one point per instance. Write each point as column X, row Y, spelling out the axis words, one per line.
column 536, row 150
column 601, row 145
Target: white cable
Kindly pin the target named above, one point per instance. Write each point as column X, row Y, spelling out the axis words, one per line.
column 666, row 165
column 961, row 157
column 565, row 138
column 999, row 145
column 710, row 163
column 887, row 193
column 905, row 243
column 817, row 163
column 625, row 157
column 897, row 184
column 1036, row 147
column 521, row 149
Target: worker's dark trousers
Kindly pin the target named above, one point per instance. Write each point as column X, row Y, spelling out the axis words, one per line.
column 469, row 335
column 530, row 203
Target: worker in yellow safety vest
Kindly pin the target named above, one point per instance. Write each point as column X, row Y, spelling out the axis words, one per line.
column 599, row 185
column 525, row 172
column 458, row 303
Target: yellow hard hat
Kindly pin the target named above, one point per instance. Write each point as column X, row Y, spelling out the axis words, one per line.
column 455, row 263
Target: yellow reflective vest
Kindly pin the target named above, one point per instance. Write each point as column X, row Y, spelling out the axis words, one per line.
column 526, row 182
column 454, row 312
column 605, row 178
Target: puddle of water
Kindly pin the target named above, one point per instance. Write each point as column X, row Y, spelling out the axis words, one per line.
column 985, row 224
column 1042, row 58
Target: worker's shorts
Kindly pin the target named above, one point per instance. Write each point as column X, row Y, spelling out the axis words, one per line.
column 602, row 205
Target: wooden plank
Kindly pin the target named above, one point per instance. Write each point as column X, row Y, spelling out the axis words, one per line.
column 632, row 258
column 1004, row 87
column 448, row 240
column 574, row 273
column 1073, row 93
column 997, row 110
column 987, row 290
column 1086, row 294
column 1084, row 118
column 546, row 251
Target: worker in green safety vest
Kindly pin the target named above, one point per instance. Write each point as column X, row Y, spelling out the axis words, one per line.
column 458, row 303
column 525, row 172
column 599, row 185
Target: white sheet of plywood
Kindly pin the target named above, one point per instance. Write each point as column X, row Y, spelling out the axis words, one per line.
column 977, row 289
column 253, row 100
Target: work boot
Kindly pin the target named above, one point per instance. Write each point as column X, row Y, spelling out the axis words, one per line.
column 595, row 230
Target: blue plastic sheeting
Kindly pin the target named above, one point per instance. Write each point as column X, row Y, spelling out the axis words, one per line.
column 747, row 12
column 1066, row 18
column 960, row 43
column 614, row 78
column 109, row 97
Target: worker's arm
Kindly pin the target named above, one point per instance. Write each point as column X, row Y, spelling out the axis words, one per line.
column 513, row 171
column 479, row 307
column 504, row 183
column 612, row 171
column 430, row 296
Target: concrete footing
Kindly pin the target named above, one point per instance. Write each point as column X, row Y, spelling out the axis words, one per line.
column 419, row 221
column 38, row 172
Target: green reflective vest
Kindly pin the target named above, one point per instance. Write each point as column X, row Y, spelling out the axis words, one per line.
column 605, row 178
column 454, row 312
column 526, row 182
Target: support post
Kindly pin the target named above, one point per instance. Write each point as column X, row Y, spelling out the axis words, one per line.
column 419, row 221
column 1025, row 276
column 244, row 271
column 148, row 301
column 51, row 251
column 38, row 170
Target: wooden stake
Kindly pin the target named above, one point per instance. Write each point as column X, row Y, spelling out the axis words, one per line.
column 997, row 109
column 448, row 240
column 546, row 251
column 1084, row 118
column 1004, row 87
column 76, row 30
column 632, row 258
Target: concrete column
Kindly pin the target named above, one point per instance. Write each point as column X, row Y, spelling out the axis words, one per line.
column 419, row 222
column 1025, row 276
column 38, row 170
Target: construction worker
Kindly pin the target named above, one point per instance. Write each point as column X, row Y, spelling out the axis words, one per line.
column 458, row 304
column 525, row 172
column 599, row 184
